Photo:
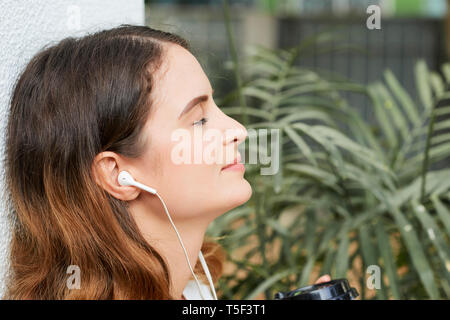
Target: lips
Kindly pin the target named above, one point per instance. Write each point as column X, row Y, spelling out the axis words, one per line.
column 236, row 160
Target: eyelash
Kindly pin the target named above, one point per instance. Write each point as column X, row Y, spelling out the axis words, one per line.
column 202, row 120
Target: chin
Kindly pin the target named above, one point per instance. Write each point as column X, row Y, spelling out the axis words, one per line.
column 248, row 192
column 238, row 194
column 231, row 197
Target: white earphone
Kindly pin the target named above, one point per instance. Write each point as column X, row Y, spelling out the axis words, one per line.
column 125, row 179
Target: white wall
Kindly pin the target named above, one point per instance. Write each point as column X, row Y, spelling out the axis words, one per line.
column 26, row 26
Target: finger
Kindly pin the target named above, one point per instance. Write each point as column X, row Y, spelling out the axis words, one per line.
column 324, row 278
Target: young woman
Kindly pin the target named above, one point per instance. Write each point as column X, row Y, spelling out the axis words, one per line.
column 83, row 111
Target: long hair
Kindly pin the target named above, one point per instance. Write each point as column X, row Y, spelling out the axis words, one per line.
column 73, row 100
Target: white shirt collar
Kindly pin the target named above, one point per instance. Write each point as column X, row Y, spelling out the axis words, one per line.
column 190, row 292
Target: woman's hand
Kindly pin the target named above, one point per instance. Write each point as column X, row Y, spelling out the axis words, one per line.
column 324, row 278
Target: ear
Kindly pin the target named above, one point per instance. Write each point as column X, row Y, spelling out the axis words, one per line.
column 105, row 169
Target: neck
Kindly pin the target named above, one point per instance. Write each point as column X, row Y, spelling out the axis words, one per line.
column 159, row 233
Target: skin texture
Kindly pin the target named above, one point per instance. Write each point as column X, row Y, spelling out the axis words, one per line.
column 195, row 194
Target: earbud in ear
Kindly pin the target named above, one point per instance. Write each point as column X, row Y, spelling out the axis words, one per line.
column 125, row 179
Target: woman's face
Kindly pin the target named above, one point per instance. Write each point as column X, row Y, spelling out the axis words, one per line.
column 197, row 187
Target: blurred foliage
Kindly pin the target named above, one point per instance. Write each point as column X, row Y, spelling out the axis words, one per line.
column 349, row 193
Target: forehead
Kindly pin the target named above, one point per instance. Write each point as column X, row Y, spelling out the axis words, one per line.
column 179, row 78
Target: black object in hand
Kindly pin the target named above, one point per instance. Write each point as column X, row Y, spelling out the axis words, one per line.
column 338, row 289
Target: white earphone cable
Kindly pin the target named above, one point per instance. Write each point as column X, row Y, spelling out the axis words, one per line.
column 125, row 179
column 208, row 275
column 182, row 245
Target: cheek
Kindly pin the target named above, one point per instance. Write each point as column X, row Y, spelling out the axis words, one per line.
column 200, row 189
column 189, row 188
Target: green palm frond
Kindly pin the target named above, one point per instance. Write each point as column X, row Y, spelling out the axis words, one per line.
column 350, row 193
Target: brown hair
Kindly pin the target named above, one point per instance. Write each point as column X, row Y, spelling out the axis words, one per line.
column 75, row 99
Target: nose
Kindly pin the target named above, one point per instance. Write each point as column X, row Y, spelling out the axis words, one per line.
column 235, row 132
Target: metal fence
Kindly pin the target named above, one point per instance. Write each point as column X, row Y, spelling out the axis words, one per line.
column 397, row 46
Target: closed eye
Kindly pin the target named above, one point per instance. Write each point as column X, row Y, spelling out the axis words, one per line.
column 202, row 121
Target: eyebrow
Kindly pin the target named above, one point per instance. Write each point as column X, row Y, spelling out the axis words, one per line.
column 194, row 102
